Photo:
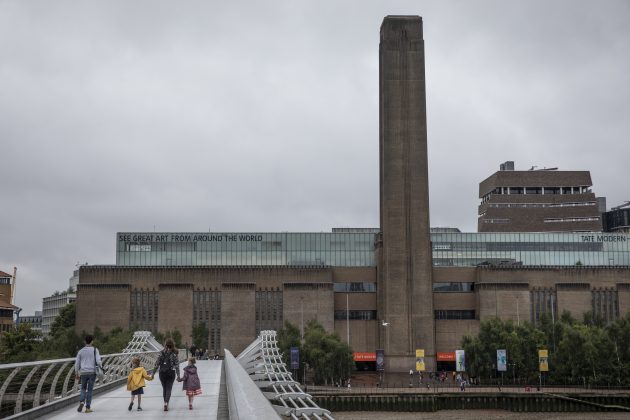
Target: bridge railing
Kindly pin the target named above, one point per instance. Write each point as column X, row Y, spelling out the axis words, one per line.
column 262, row 360
column 29, row 385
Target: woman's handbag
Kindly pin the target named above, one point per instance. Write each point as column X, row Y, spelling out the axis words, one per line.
column 98, row 369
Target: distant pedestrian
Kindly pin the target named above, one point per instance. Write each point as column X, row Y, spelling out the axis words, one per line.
column 85, row 368
column 167, row 366
column 191, row 382
column 135, row 382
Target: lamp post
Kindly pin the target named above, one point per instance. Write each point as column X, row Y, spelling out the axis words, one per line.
column 386, row 324
column 302, row 319
column 348, row 319
column 385, row 343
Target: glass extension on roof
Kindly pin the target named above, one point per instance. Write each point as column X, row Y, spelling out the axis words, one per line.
column 534, row 249
column 245, row 249
column 356, row 249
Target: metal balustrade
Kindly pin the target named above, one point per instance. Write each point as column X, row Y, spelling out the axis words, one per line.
column 31, row 384
column 262, row 360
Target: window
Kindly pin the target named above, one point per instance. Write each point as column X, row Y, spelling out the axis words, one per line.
column 269, row 310
column 355, row 315
column 516, row 190
column 552, row 190
column 453, row 287
column 354, row 287
column 543, row 302
column 571, row 219
column 567, row 190
column 605, row 304
column 138, row 247
column 496, row 221
column 454, row 314
column 533, row 190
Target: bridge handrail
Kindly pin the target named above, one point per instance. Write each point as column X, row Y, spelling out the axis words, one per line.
column 67, row 359
column 31, row 381
column 262, row 360
column 251, row 403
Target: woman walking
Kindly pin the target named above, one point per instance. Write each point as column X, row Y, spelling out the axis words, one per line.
column 167, row 366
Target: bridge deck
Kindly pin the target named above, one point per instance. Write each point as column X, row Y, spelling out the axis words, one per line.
column 114, row 403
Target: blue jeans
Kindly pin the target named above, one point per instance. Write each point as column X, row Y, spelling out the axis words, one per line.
column 87, row 384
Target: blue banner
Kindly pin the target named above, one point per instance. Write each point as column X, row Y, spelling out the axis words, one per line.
column 295, row 358
column 380, row 360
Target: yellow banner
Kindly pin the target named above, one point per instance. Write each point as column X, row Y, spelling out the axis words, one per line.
column 543, row 360
column 419, row 360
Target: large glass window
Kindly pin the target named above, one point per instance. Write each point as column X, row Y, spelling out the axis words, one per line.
column 454, row 314
column 355, row 315
column 453, row 287
column 354, row 287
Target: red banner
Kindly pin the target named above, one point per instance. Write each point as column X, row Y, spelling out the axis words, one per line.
column 365, row 357
column 445, row 356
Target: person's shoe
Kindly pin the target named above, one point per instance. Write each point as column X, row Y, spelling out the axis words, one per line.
column 80, row 408
column 130, row 406
column 139, row 408
column 88, row 410
column 190, row 406
column 165, row 407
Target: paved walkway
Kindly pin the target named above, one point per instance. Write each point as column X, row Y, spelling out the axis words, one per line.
column 113, row 404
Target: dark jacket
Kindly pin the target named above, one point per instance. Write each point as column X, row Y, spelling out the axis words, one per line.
column 167, row 358
column 190, row 379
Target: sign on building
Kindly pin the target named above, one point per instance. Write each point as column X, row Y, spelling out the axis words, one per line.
column 460, row 361
column 295, row 358
column 420, row 360
column 380, row 360
column 543, row 360
column 501, row 360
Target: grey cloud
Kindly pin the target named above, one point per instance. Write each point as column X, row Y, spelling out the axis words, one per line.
column 263, row 116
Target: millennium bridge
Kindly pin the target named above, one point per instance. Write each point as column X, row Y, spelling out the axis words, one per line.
column 254, row 385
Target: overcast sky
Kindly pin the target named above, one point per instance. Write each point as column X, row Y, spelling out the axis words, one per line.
column 263, row 115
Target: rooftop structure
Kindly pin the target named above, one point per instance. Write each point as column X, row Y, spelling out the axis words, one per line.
column 543, row 200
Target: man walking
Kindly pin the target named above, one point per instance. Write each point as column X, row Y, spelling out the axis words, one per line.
column 85, row 368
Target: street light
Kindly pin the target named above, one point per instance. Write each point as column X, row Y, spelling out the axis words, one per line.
column 302, row 319
column 384, row 324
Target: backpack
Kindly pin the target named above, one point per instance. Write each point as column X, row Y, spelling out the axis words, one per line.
column 166, row 364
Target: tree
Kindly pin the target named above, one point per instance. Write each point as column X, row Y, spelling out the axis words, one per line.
column 329, row 358
column 584, row 353
column 288, row 336
column 19, row 344
column 174, row 335
column 200, row 335
column 66, row 318
column 521, row 343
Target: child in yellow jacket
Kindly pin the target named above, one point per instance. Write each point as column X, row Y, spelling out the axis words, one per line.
column 135, row 382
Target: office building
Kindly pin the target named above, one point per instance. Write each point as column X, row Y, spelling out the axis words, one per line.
column 35, row 321
column 544, row 200
column 7, row 308
column 617, row 219
column 52, row 305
